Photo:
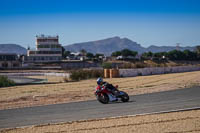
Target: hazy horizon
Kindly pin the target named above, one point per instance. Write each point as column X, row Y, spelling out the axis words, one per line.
column 152, row 22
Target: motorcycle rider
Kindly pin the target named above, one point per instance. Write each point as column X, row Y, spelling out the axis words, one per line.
column 107, row 86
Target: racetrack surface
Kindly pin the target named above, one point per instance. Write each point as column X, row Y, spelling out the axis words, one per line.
column 24, row 80
column 140, row 104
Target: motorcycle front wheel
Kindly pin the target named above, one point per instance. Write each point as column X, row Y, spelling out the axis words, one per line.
column 103, row 98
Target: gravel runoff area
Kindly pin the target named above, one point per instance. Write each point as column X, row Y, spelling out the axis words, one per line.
column 63, row 92
column 174, row 122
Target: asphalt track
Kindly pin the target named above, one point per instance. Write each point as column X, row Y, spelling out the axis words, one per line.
column 20, row 80
column 140, row 104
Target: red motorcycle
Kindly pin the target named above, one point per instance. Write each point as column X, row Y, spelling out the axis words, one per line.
column 105, row 95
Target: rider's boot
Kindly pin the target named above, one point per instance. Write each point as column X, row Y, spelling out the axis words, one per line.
column 115, row 93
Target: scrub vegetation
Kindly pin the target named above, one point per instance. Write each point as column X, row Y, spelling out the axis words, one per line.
column 5, row 82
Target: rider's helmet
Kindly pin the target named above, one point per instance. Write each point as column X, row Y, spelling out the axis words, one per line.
column 99, row 81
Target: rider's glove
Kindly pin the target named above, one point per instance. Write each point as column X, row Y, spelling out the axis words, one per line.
column 97, row 92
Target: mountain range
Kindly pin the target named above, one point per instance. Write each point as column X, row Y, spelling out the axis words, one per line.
column 109, row 45
column 156, row 49
column 105, row 46
column 12, row 48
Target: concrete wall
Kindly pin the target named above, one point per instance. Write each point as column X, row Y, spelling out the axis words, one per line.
column 156, row 70
column 78, row 65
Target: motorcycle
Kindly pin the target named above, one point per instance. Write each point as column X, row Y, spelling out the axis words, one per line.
column 105, row 95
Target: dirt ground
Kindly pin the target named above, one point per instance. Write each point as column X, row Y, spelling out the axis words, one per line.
column 176, row 122
column 61, row 92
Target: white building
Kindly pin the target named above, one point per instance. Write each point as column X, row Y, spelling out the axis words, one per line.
column 48, row 49
column 8, row 60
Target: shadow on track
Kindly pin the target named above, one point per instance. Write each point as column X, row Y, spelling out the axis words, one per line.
column 118, row 102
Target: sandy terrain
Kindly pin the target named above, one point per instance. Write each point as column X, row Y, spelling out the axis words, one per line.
column 61, row 92
column 177, row 122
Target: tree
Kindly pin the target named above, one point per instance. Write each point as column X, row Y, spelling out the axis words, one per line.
column 160, row 54
column 127, row 52
column 189, row 55
column 90, row 55
column 83, row 52
column 66, row 53
column 134, row 53
column 98, row 55
column 147, row 55
column 176, row 55
column 117, row 53
column 198, row 49
column 63, row 51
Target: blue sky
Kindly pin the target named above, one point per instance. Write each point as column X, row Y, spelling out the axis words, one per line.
column 148, row 22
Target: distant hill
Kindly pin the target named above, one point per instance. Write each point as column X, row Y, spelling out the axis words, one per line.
column 12, row 48
column 109, row 45
column 106, row 46
column 156, row 49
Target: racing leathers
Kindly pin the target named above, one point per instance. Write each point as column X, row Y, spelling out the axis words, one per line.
column 109, row 87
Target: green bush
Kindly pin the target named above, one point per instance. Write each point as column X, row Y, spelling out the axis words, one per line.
column 107, row 65
column 85, row 74
column 5, row 82
column 140, row 65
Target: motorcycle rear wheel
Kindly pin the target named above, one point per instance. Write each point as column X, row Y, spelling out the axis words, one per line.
column 124, row 97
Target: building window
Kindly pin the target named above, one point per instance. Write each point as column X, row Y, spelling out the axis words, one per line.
column 32, row 52
column 5, row 64
column 15, row 64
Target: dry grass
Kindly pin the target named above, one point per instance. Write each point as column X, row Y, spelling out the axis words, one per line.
column 177, row 122
column 60, row 92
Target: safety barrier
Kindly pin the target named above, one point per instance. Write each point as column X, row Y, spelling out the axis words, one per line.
column 156, row 70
